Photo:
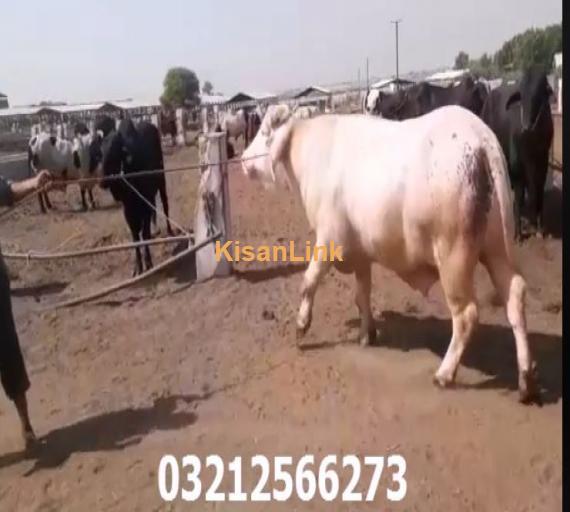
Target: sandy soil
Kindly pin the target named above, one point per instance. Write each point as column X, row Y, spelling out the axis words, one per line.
column 176, row 367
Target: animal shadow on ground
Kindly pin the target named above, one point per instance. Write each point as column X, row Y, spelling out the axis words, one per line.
column 38, row 290
column 256, row 275
column 491, row 351
column 110, row 431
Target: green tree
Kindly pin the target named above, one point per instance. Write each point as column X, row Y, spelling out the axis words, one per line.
column 461, row 60
column 181, row 88
column 207, row 88
column 534, row 47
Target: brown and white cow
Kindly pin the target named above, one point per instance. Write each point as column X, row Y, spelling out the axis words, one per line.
column 427, row 198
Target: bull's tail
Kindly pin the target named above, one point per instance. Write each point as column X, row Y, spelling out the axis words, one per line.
column 497, row 169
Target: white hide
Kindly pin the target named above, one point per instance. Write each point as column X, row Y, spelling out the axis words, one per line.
column 426, row 198
column 56, row 158
column 370, row 100
column 233, row 123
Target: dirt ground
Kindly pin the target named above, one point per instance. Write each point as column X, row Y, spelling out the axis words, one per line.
column 176, row 367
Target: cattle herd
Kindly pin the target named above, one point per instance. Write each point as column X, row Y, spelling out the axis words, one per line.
column 518, row 114
column 425, row 191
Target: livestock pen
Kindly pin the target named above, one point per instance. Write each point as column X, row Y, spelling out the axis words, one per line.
column 165, row 366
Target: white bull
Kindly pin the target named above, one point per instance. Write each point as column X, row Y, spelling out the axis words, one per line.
column 427, row 198
column 234, row 124
column 306, row 112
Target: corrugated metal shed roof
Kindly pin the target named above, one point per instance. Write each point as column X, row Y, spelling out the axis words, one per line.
column 384, row 82
column 18, row 111
column 451, row 74
column 80, row 107
column 312, row 89
column 251, row 96
column 213, row 99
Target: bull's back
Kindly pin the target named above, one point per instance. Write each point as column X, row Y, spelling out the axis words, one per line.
column 398, row 185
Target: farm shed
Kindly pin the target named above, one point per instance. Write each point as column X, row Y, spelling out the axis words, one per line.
column 391, row 85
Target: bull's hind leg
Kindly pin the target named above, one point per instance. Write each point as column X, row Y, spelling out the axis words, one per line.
column 47, row 201
column 512, row 288
column 147, row 236
column 315, row 271
column 456, row 273
column 41, row 201
column 92, row 199
column 363, row 284
column 83, row 202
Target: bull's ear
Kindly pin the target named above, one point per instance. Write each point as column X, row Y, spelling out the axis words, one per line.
column 513, row 98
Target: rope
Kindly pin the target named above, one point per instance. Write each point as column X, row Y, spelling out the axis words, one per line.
column 113, row 177
column 133, row 280
column 153, row 206
column 31, row 255
column 152, row 172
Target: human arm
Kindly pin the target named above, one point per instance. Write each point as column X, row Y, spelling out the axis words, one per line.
column 13, row 192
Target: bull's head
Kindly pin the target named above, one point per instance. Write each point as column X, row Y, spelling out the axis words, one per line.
column 533, row 95
column 262, row 155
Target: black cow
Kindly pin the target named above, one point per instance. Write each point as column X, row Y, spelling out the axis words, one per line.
column 130, row 149
column 521, row 118
column 80, row 128
column 423, row 97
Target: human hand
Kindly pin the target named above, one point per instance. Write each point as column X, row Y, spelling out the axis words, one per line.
column 43, row 179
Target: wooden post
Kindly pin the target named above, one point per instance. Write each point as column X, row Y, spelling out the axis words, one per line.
column 213, row 209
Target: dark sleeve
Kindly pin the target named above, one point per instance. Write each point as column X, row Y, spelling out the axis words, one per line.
column 6, row 196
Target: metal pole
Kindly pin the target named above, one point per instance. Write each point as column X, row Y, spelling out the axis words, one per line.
column 396, row 23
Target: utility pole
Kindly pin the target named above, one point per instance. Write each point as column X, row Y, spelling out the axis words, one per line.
column 367, row 76
column 396, row 23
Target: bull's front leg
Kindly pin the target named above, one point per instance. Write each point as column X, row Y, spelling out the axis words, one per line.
column 363, row 285
column 316, row 270
column 146, row 236
column 83, row 202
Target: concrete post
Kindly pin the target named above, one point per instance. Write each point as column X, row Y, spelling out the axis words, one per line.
column 204, row 118
column 180, row 128
column 213, row 208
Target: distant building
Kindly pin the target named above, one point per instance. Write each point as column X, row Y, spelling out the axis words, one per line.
column 391, row 85
column 445, row 78
column 248, row 99
column 3, row 101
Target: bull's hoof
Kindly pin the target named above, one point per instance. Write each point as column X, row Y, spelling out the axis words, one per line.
column 443, row 381
column 30, row 441
column 368, row 338
column 529, row 391
column 300, row 332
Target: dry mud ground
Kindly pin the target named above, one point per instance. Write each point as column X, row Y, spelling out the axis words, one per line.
column 176, row 367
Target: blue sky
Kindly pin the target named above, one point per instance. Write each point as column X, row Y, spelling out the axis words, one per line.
column 103, row 49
